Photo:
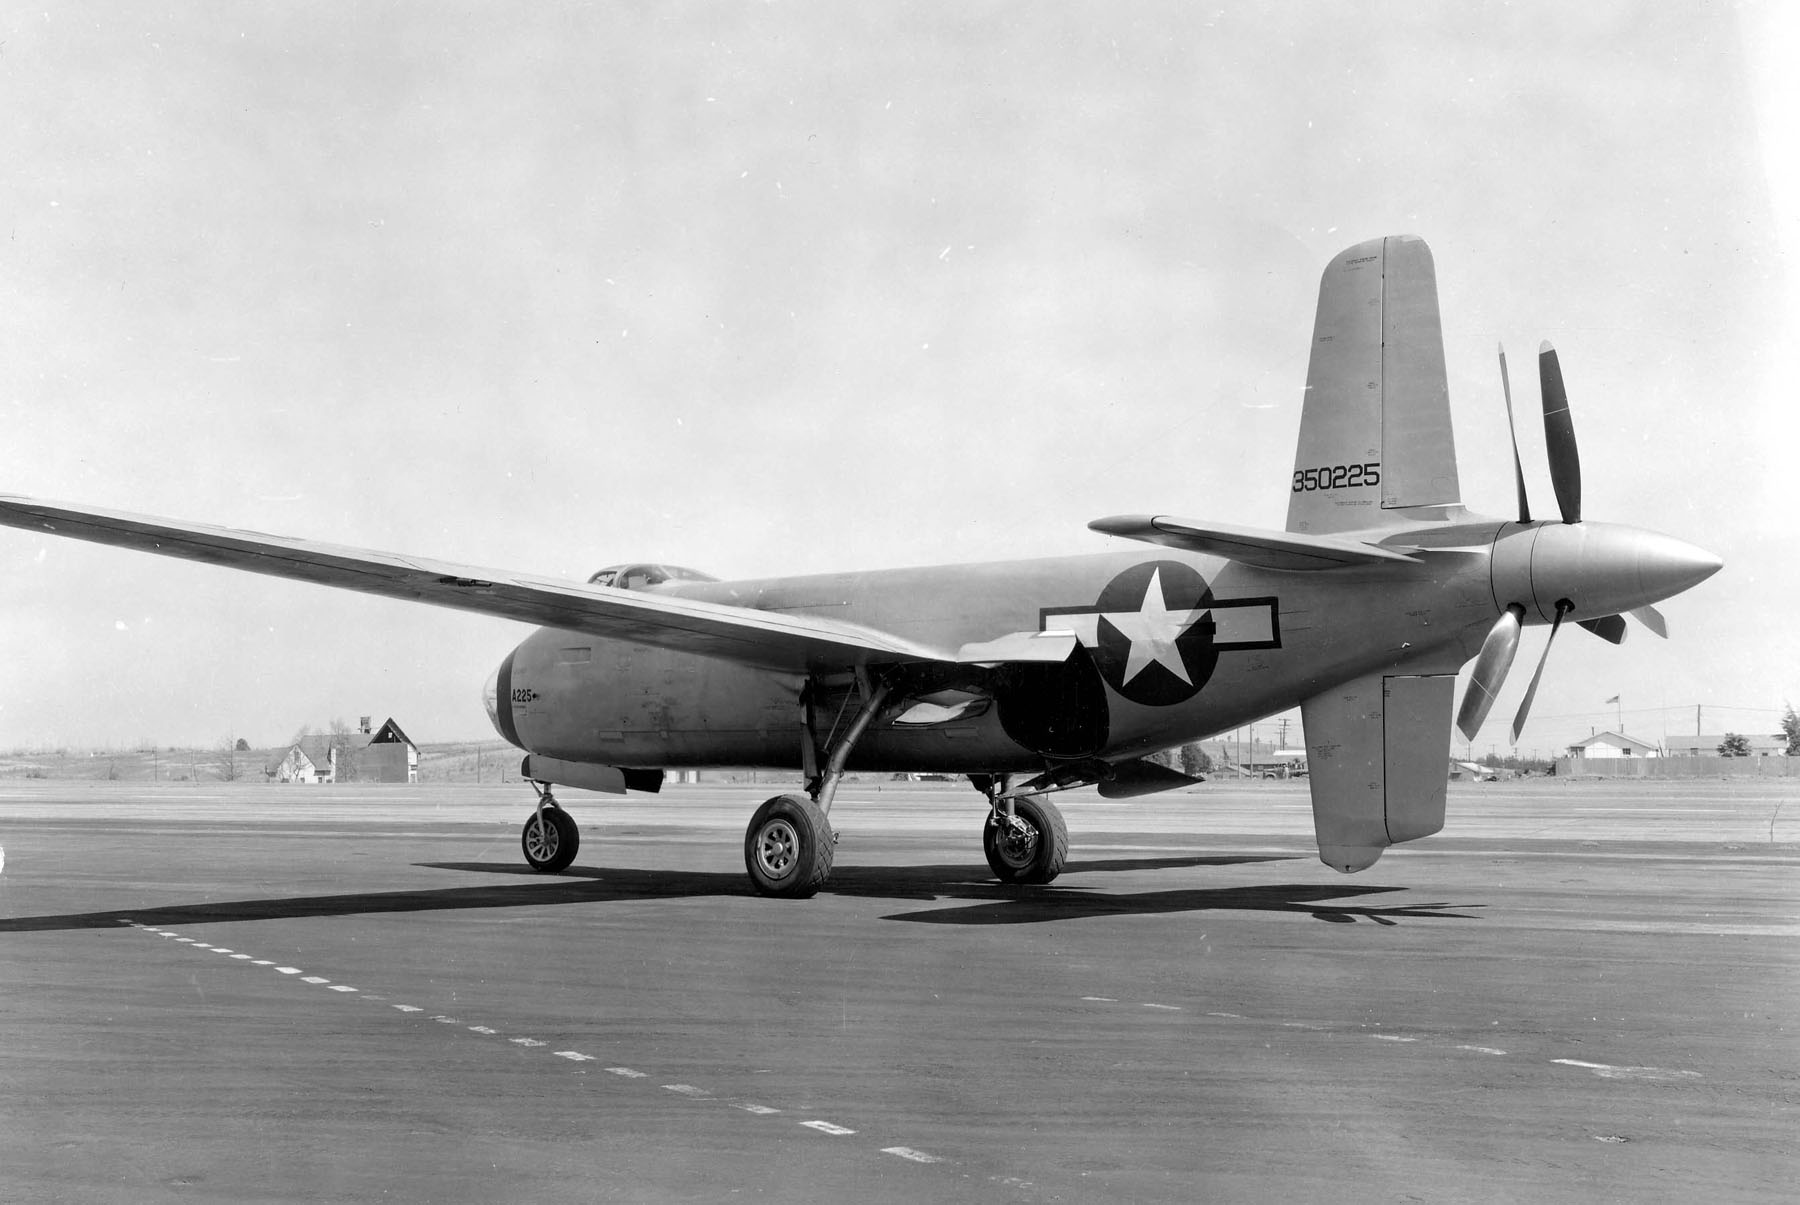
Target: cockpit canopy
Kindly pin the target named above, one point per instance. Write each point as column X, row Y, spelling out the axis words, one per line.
column 643, row 576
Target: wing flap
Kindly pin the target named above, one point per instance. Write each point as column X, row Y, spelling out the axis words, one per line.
column 1264, row 549
column 773, row 640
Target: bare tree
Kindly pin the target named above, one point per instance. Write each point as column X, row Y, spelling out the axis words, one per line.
column 340, row 751
column 229, row 770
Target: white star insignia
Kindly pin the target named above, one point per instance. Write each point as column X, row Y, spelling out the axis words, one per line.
column 1153, row 630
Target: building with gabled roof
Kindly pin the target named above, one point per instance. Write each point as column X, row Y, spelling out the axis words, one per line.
column 384, row 755
column 1614, row 744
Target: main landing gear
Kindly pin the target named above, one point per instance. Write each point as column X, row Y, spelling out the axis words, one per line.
column 1025, row 837
column 789, row 845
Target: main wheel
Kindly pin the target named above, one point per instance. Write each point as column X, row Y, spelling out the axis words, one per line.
column 1034, row 853
column 552, row 848
column 788, row 847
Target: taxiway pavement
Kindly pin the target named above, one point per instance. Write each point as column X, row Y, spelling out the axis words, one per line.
column 1580, row 991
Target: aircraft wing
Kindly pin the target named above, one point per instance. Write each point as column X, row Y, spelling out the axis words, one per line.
column 1265, row 549
column 773, row 640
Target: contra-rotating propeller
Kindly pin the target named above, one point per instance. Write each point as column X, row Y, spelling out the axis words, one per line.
column 1599, row 561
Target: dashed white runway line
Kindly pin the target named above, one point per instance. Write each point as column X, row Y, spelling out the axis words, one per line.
column 1607, row 1071
column 1604, row 1070
column 692, row 1092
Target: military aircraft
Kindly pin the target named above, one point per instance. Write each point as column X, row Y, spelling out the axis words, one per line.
column 1035, row 676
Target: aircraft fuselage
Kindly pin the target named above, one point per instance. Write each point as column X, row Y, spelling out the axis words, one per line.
column 1174, row 646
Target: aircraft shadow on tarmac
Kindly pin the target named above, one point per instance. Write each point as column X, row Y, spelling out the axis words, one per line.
column 988, row 902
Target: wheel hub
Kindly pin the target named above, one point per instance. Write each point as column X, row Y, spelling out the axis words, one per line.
column 1017, row 841
column 542, row 840
column 777, row 848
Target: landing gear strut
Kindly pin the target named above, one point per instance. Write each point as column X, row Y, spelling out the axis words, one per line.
column 1025, row 837
column 550, row 838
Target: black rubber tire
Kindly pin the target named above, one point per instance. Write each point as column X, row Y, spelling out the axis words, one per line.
column 788, row 848
column 557, row 848
column 1037, row 861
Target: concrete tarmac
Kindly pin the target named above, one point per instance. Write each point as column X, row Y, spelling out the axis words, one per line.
column 1581, row 991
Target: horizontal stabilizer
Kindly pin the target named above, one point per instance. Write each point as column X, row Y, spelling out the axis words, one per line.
column 1133, row 778
column 1248, row 545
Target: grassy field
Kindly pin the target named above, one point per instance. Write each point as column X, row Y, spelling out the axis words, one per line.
column 449, row 761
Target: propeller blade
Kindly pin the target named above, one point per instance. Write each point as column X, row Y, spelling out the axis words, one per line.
column 1651, row 618
column 1496, row 658
column 1610, row 628
column 1559, row 435
column 1531, row 691
column 1512, row 430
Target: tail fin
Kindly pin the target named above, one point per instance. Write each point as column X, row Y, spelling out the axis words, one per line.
column 1375, row 426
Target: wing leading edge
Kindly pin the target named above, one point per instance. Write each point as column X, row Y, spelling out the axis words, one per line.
column 767, row 639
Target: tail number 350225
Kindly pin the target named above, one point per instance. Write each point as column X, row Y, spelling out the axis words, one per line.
column 1337, row 477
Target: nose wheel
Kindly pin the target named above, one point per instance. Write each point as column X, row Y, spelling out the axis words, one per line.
column 551, row 837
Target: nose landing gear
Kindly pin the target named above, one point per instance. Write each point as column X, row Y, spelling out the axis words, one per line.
column 551, row 837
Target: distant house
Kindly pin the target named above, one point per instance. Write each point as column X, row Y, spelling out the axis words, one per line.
column 1707, row 745
column 385, row 755
column 1614, row 744
column 307, row 760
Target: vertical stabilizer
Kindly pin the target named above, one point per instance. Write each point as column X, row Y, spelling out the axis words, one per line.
column 1375, row 425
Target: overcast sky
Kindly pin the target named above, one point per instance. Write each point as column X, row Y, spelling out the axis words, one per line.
column 787, row 288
